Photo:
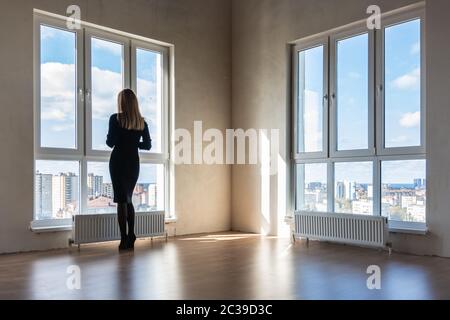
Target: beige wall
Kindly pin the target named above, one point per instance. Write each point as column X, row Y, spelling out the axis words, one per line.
column 261, row 31
column 201, row 33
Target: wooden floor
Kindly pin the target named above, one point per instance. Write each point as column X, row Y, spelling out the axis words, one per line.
column 223, row 266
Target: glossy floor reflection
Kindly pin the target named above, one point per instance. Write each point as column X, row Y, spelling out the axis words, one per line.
column 223, row 266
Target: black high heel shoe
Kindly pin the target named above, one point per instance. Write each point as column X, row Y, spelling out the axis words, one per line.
column 123, row 244
column 131, row 240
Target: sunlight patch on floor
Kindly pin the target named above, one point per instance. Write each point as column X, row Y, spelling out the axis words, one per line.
column 220, row 237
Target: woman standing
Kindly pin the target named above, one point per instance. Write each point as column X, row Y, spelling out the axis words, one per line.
column 126, row 128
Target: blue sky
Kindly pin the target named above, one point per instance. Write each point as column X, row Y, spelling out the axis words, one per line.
column 403, row 84
column 58, row 91
column 312, row 60
column 402, row 90
column 352, row 93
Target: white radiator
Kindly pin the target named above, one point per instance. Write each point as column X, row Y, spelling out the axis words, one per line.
column 104, row 227
column 344, row 228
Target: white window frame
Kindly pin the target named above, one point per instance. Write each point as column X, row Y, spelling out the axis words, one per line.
column 375, row 182
column 376, row 153
column 84, row 152
column 56, row 23
column 334, row 39
column 137, row 44
column 380, row 80
column 328, row 163
column 90, row 33
column 303, row 46
column 394, row 224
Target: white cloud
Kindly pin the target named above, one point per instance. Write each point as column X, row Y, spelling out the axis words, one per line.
column 351, row 101
column 312, row 121
column 53, row 113
column 48, row 32
column 360, row 172
column 59, row 93
column 147, row 98
column 415, row 48
column 410, row 80
column 399, row 139
column 403, row 171
column 105, row 87
column 60, row 34
column 112, row 47
column 61, row 128
column 57, row 79
column 107, row 84
column 410, row 120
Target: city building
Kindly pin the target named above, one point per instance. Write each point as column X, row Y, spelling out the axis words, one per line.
column 95, row 185
column 56, row 196
column 362, row 207
column 43, row 196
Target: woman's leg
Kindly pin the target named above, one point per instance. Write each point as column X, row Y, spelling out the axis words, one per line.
column 122, row 219
column 130, row 219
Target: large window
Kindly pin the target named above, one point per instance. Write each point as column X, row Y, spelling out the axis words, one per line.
column 78, row 76
column 359, row 128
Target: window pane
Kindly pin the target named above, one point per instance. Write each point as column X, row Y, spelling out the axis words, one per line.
column 404, row 190
column 353, row 187
column 149, row 92
column 312, row 187
column 403, row 83
column 99, row 188
column 148, row 194
column 107, row 81
column 58, row 88
column 353, row 93
column 310, row 100
column 57, row 189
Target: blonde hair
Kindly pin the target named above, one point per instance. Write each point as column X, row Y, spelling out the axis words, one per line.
column 128, row 114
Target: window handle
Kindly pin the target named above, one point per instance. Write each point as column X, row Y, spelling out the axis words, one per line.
column 88, row 94
column 81, row 94
column 333, row 99
column 379, row 89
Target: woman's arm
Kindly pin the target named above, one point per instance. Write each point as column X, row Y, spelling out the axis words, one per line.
column 146, row 143
column 111, row 138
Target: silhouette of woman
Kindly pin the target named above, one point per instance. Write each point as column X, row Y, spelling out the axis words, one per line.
column 128, row 132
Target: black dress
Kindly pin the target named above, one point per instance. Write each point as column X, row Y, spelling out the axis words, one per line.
column 124, row 161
